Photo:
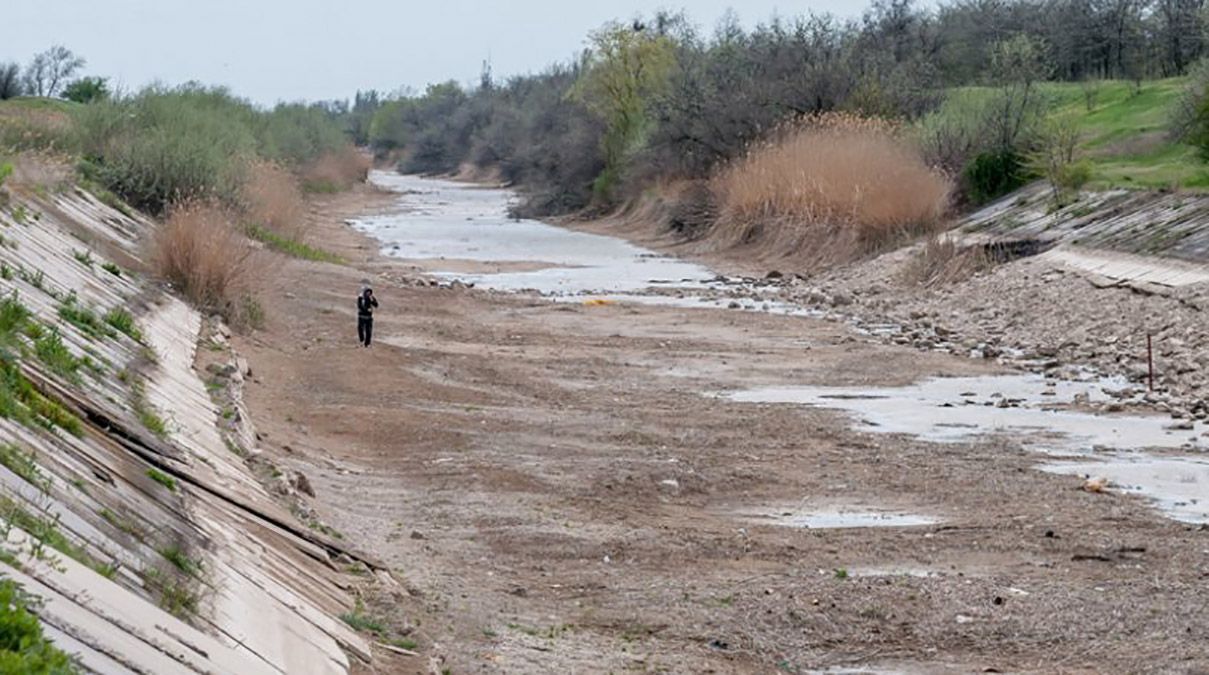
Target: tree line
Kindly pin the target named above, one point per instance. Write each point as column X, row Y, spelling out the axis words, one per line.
column 660, row 98
column 50, row 73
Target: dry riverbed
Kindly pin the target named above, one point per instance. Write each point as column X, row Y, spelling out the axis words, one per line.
column 586, row 486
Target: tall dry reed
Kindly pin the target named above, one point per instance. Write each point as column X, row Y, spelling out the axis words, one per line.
column 336, row 170
column 199, row 250
column 830, row 188
column 272, row 199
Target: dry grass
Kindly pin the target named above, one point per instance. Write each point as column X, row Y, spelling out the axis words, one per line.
column 199, row 250
column 830, row 188
column 336, row 171
column 272, row 199
column 943, row 260
column 41, row 169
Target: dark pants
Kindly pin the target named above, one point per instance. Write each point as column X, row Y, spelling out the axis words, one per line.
column 365, row 329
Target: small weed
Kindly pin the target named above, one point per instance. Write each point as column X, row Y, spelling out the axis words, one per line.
column 162, row 478
column 180, row 560
column 122, row 524
column 175, row 595
column 360, row 621
column 404, row 643
column 6, row 272
column 112, row 269
column 84, row 257
column 36, row 278
column 147, row 414
column 123, row 321
column 53, row 352
column 83, row 318
column 24, row 465
column 841, row 573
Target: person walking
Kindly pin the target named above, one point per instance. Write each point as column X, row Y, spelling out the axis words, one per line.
column 366, row 303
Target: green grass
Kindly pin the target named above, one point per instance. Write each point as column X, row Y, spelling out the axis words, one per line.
column 54, row 354
column 359, row 620
column 291, row 247
column 1125, row 135
column 147, row 414
column 180, row 560
column 123, row 321
column 83, row 318
column 162, row 478
column 23, row 647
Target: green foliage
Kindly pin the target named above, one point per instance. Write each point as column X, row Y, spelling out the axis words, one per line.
column 51, row 351
column 162, row 478
column 360, row 620
column 83, row 318
column 123, row 321
column 87, row 90
column 993, row 174
column 181, row 560
column 627, row 68
column 165, row 145
column 6, row 170
column 23, row 647
column 13, row 319
column 112, row 269
column 290, row 247
column 294, row 134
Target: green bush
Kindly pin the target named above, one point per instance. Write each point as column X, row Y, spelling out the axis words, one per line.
column 162, row 146
column 87, row 90
column 993, row 174
column 23, row 647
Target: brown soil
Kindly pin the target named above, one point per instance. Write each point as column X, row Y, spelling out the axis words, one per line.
column 557, row 491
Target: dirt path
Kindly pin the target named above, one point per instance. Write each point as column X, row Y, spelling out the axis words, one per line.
column 559, row 492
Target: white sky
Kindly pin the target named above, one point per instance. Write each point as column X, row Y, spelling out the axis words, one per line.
column 273, row 50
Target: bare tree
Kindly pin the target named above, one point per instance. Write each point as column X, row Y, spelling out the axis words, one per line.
column 50, row 70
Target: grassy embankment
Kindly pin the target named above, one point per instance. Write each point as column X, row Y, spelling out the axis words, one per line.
column 1125, row 133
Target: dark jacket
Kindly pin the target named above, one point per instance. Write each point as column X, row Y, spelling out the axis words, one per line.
column 365, row 306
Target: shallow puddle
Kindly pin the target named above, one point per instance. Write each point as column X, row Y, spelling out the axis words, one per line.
column 832, row 519
column 1033, row 411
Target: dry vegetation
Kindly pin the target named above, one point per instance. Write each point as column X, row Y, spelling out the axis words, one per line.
column 273, row 199
column 335, row 171
column 942, row 259
column 829, row 188
column 204, row 255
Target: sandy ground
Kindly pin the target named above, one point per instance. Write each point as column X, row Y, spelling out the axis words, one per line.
column 557, row 491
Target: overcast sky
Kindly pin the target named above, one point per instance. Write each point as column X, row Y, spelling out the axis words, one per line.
column 274, row 50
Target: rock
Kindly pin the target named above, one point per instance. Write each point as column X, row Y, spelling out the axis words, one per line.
column 773, row 274
column 417, row 535
column 1095, row 485
column 840, row 299
column 241, row 364
column 734, row 305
